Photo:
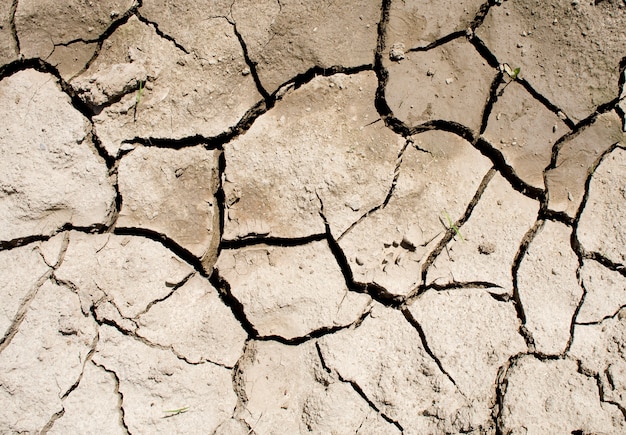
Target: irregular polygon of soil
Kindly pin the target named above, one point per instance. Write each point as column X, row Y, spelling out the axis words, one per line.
column 131, row 272
column 171, row 192
column 390, row 245
column 552, row 396
column 290, row 291
column 50, row 173
column 288, row 37
column 602, row 225
column 491, row 239
column 44, row 359
column 93, row 407
column 287, row 390
column 524, row 131
column 548, row 287
column 576, row 161
column 605, row 292
column 384, row 357
column 416, row 24
column 154, row 383
column 472, row 334
column 196, row 324
column 7, row 44
column 601, row 352
column 449, row 82
column 184, row 95
column 570, row 53
column 22, row 270
column 320, row 140
column 42, row 25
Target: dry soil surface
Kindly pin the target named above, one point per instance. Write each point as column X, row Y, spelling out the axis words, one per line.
column 332, row 217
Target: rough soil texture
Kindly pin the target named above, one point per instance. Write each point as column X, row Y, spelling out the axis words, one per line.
column 262, row 217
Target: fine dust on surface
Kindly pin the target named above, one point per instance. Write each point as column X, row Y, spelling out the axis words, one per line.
column 280, row 216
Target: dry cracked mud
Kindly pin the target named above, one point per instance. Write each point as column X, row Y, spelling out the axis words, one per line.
column 280, row 216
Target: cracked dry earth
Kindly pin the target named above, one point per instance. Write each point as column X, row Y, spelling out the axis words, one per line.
column 284, row 216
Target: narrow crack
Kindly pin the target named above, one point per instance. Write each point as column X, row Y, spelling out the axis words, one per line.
column 502, row 384
column 413, row 322
column 374, row 290
column 441, row 41
column 13, row 329
column 161, row 33
column 223, row 288
column 13, row 28
column 252, row 65
column 317, row 333
column 118, row 393
column 357, row 389
column 601, row 393
column 450, row 234
column 517, row 262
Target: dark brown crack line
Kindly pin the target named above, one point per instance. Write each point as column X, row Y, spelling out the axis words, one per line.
column 252, row 65
column 226, row 295
column 493, row 98
column 413, row 321
column 604, row 319
column 517, row 261
column 392, row 188
column 317, row 333
column 441, row 41
column 22, row 241
column 161, row 33
column 271, row 241
column 13, row 28
column 118, row 393
column 579, row 305
column 375, row 291
column 357, row 389
column 451, row 233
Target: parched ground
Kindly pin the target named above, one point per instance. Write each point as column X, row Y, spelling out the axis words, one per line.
column 333, row 217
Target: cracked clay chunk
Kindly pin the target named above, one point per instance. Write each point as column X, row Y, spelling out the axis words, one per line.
column 450, row 82
column 321, row 140
column 7, row 44
column 290, row 291
column 46, row 26
column 577, row 159
column 130, row 271
column 602, row 225
column 289, row 37
column 417, row 23
column 50, row 173
column 553, row 397
column 386, row 359
column 524, row 131
column 472, row 334
column 196, row 324
column 92, row 407
column 181, row 95
column 390, row 246
column 44, row 359
column 568, row 51
column 548, row 287
column 154, row 383
column 599, row 347
column 491, row 238
column 287, row 390
column 605, row 292
column 172, row 192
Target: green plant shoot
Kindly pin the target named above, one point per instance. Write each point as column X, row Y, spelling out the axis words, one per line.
column 453, row 226
column 173, row 412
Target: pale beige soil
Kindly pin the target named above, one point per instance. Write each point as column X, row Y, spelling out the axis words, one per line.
column 332, row 217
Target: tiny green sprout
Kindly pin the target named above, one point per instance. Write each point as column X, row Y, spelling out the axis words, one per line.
column 173, row 412
column 141, row 89
column 453, row 226
column 513, row 73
